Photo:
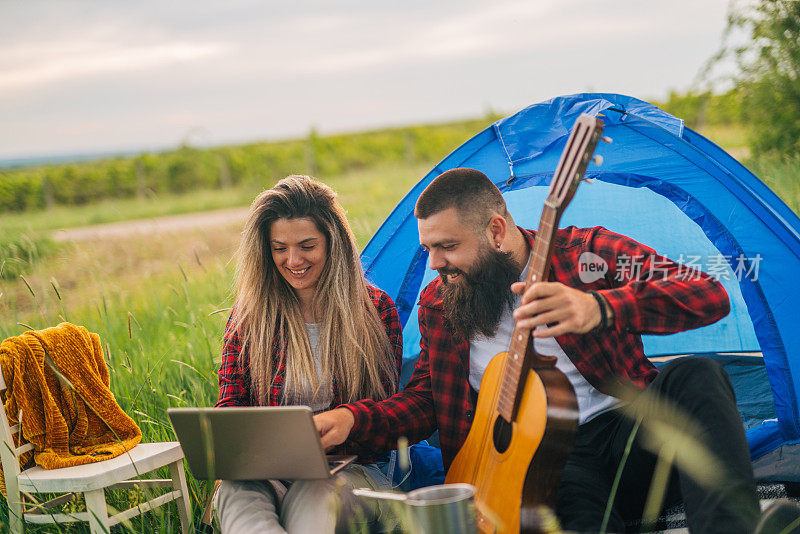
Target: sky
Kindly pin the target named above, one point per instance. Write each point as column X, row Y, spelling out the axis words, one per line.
column 80, row 77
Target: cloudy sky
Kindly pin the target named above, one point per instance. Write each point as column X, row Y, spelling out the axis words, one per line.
column 94, row 76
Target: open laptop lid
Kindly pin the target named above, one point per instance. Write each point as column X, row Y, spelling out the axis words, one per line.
column 252, row 443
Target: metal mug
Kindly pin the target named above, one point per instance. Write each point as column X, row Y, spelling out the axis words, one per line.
column 442, row 509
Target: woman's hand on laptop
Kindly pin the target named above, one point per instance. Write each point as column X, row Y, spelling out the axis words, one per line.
column 334, row 426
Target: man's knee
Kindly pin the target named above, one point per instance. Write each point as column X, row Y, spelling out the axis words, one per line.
column 696, row 375
column 693, row 366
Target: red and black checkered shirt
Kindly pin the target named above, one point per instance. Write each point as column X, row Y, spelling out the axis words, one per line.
column 234, row 380
column 658, row 296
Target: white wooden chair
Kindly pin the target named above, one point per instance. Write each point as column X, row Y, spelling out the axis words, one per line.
column 91, row 480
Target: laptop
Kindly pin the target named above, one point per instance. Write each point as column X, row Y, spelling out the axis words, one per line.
column 253, row 443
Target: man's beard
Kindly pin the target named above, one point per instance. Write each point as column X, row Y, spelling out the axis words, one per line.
column 477, row 301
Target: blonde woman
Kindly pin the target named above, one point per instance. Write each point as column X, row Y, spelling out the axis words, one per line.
column 306, row 328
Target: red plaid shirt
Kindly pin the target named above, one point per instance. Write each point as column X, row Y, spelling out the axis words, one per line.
column 234, row 380
column 657, row 298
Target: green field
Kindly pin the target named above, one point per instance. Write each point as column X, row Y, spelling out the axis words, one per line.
column 162, row 332
column 159, row 302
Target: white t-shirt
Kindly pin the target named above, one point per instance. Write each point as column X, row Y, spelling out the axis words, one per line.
column 325, row 397
column 591, row 402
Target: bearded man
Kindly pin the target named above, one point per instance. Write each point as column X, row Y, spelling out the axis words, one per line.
column 467, row 315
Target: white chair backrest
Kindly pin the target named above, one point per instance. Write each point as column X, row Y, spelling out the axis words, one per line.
column 5, row 431
column 9, row 453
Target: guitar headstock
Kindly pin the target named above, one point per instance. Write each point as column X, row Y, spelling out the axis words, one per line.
column 583, row 138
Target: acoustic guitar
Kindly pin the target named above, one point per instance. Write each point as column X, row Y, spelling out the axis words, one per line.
column 527, row 413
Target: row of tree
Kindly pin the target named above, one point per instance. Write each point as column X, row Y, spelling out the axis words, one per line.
column 259, row 164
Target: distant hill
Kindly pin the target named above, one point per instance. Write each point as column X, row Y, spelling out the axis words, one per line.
column 39, row 161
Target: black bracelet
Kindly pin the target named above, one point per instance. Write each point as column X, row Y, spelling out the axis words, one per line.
column 603, row 316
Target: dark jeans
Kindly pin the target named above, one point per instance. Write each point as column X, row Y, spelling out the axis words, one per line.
column 699, row 388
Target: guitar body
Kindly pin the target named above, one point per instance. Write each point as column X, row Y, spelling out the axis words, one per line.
column 511, row 482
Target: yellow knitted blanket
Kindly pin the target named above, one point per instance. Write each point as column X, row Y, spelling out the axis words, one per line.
column 59, row 379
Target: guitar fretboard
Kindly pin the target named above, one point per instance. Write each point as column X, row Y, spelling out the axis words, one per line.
column 569, row 172
column 538, row 270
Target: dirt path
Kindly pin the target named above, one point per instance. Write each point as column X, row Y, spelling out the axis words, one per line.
column 157, row 225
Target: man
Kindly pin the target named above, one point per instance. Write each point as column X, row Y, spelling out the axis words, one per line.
column 466, row 318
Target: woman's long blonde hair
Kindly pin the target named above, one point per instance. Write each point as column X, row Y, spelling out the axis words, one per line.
column 354, row 349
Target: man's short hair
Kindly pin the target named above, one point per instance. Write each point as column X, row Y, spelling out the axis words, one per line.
column 471, row 192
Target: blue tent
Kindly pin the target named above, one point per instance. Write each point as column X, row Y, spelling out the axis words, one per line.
column 665, row 186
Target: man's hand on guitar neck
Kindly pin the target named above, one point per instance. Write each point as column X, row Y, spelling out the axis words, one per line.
column 334, row 426
column 568, row 310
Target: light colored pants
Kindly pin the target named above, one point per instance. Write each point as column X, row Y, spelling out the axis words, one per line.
column 308, row 506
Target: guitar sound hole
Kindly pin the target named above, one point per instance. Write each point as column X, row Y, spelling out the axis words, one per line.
column 502, row 434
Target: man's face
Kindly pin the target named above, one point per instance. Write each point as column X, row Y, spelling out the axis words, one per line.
column 453, row 246
column 476, row 276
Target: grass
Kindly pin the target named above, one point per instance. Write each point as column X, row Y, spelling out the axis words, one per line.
column 732, row 137
column 368, row 192
column 158, row 304
column 42, row 221
column 21, row 252
column 25, row 238
column 161, row 341
column 87, row 270
column 782, row 175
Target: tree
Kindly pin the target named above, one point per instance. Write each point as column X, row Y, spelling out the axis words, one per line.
column 769, row 72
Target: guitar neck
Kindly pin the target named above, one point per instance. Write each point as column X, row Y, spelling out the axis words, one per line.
column 569, row 172
column 520, row 353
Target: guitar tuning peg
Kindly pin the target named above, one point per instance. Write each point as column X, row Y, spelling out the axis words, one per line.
column 606, row 139
column 597, row 160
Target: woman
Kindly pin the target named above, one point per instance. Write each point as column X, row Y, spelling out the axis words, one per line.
column 306, row 328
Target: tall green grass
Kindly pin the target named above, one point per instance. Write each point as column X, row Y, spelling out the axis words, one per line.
column 21, row 252
column 782, row 175
column 160, row 343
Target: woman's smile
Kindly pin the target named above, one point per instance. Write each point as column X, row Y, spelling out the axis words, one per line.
column 299, row 272
column 300, row 251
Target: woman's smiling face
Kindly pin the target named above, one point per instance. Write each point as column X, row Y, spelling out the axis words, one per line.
column 299, row 251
